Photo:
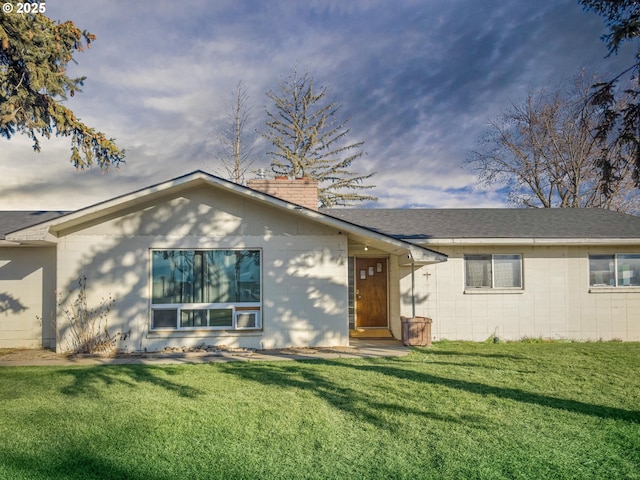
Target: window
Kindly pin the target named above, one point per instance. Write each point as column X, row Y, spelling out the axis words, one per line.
column 620, row 270
column 210, row 289
column 493, row 271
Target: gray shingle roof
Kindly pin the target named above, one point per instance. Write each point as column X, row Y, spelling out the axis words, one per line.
column 493, row 222
column 416, row 224
column 11, row 221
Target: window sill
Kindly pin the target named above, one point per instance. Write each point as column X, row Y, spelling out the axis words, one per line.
column 203, row 333
column 614, row 289
column 494, row 291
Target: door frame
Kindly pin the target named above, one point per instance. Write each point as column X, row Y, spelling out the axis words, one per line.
column 355, row 290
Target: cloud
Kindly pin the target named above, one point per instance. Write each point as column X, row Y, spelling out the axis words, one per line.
column 419, row 80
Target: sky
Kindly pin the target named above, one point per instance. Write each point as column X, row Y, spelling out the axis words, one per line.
column 418, row 81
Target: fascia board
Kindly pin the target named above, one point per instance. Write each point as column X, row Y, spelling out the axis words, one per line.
column 410, row 251
column 6, row 243
column 114, row 205
column 35, row 235
column 435, row 242
column 147, row 195
column 49, row 230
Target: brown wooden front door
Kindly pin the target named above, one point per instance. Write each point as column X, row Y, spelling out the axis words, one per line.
column 371, row 292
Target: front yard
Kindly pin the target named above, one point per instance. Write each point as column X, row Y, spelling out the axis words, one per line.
column 456, row 410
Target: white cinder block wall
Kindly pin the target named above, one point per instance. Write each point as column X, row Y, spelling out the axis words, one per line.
column 556, row 301
column 304, row 268
column 27, row 297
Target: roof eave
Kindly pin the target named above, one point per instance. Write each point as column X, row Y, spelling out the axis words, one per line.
column 49, row 231
column 38, row 235
column 7, row 243
column 407, row 252
column 529, row 241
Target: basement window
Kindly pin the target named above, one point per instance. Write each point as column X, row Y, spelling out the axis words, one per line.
column 212, row 289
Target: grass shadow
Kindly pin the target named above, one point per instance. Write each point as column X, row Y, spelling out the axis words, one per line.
column 515, row 394
column 363, row 405
column 457, row 353
column 68, row 465
column 369, row 407
column 476, row 366
column 88, row 380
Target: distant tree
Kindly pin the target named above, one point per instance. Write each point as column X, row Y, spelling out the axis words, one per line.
column 236, row 153
column 618, row 128
column 544, row 154
column 34, row 53
column 310, row 141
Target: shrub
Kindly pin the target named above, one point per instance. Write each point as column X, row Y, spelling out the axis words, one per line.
column 87, row 327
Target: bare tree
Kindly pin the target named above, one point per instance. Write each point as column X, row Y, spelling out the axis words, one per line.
column 235, row 153
column 310, row 141
column 543, row 152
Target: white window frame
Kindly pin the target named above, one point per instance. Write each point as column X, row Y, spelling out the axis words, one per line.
column 237, row 308
column 492, row 287
column 616, row 284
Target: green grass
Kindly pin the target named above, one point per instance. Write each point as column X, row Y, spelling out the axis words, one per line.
column 456, row 410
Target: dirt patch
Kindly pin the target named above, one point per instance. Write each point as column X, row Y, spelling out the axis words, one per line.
column 28, row 354
column 20, row 356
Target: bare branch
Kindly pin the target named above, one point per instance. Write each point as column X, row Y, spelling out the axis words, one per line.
column 235, row 153
column 545, row 154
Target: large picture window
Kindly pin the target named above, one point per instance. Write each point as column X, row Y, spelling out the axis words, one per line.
column 493, row 271
column 620, row 270
column 212, row 289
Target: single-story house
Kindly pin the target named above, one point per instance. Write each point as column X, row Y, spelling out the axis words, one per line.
column 562, row 273
column 199, row 260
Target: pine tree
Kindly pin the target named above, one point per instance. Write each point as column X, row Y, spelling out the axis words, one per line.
column 34, row 53
column 311, row 142
column 619, row 105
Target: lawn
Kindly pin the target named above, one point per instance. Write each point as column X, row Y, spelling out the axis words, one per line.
column 456, row 410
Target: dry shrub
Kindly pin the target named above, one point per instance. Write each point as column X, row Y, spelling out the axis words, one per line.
column 88, row 327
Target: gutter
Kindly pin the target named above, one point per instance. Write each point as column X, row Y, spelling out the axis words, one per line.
column 436, row 242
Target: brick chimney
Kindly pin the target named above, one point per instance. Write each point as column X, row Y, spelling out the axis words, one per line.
column 301, row 191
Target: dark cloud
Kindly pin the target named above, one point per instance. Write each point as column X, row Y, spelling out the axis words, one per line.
column 419, row 79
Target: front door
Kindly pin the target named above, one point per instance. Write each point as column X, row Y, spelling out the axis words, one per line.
column 371, row 293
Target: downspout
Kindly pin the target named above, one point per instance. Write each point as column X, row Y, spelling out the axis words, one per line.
column 413, row 289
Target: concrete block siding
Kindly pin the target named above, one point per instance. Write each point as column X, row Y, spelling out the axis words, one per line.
column 305, row 262
column 555, row 302
column 27, row 297
column 304, row 285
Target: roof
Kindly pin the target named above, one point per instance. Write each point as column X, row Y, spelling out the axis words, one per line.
column 484, row 223
column 407, row 226
column 31, row 230
column 17, row 220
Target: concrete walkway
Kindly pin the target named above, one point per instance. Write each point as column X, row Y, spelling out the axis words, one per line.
column 360, row 348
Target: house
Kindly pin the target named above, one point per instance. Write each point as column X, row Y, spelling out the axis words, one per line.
column 200, row 260
column 194, row 260
column 516, row 273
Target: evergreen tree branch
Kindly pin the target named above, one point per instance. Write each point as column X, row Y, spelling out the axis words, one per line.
column 309, row 141
column 34, row 54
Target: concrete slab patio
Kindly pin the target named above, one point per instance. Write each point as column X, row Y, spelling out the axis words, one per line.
column 359, row 348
